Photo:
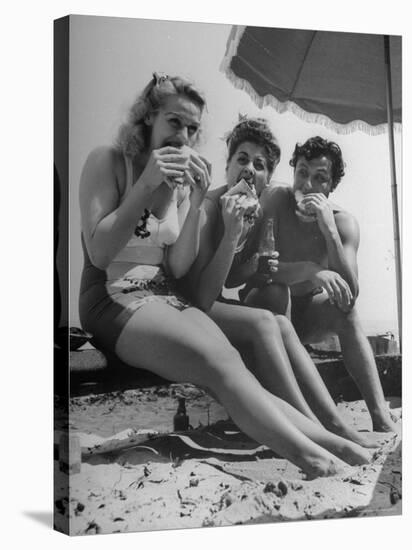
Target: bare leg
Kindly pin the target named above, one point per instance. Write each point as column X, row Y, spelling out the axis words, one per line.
column 274, row 297
column 315, row 390
column 169, row 343
column 320, row 319
column 241, row 325
column 258, row 328
column 360, row 362
column 348, row 451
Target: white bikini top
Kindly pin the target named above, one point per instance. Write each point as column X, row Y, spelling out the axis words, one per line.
column 164, row 232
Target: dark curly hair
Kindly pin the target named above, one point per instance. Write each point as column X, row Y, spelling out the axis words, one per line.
column 255, row 130
column 316, row 147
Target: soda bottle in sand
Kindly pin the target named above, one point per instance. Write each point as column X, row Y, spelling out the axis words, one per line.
column 266, row 247
column 181, row 419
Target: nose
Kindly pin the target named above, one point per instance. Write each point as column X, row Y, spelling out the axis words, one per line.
column 307, row 186
column 182, row 136
column 248, row 170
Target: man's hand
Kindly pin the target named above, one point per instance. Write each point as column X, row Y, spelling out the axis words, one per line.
column 319, row 205
column 337, row 288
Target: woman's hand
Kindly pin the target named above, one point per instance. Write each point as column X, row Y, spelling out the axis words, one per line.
column 273, row 263
column 198, row 177
column 259, row 279
column 233, row 213
column 318, row 204
column 164, row 164
column 337, row 288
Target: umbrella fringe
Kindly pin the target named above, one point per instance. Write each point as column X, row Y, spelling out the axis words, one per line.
column 281, row 107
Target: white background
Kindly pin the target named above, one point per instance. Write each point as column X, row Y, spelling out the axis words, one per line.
column 26, row 260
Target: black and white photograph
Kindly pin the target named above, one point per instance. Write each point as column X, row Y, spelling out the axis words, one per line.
column 228, row 297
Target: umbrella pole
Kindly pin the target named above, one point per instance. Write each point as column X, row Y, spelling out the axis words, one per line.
column 394, row 187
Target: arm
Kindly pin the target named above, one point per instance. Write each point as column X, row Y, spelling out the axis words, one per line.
column 341, row 233
column 342, row 246
column 292, row 273
column 211, row 268
column 240, row 274
column 107, row 226
column 182, row 254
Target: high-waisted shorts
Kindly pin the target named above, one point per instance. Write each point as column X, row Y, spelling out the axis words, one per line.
column 106, row 306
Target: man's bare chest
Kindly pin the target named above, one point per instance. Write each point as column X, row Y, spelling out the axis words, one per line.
column 299, row 241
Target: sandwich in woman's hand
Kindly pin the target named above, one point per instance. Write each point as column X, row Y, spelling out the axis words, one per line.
column 248, row 199
column 181, row 181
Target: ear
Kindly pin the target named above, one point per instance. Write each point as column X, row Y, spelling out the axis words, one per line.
column 148, row 119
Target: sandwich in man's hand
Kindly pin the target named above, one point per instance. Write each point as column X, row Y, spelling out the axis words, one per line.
column 301, row 211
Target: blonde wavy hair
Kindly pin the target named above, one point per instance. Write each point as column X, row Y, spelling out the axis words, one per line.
column 134, row 135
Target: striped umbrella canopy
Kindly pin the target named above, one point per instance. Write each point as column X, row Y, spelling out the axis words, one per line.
column 345, row 81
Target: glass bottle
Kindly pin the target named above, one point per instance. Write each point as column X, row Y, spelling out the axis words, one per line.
column 266, row 247
column 181, row 419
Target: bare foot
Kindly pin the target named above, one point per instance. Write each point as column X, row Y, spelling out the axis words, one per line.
column 385, row 424
column 347, row 450
column 354, row 454
column 327, row 467
column 369, row 440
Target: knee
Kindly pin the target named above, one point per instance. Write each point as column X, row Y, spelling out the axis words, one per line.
column 274, row 297
column 220, row 363
column 278, row 296
column 263, row 324
column 285, row 325
column 346, row 320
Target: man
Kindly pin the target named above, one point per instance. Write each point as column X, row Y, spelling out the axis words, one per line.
column 317, row 279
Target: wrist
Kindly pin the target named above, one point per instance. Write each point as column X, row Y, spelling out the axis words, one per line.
column 143, row 187
column 231, row 236
column 329, row 230
column 332, row 235
column 312, row 269
column 195, row 209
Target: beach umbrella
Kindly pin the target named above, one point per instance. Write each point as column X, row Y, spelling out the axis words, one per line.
column 345, row 81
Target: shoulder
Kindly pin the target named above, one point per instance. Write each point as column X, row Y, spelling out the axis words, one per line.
column 104, row 156
column 104, row 165
column 275, row 195
column 346, row 223
column 105, row 161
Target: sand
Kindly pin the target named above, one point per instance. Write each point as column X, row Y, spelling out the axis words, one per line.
column 169, row 484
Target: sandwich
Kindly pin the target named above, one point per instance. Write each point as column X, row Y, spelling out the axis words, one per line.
column 301, row 211
column 181, row 181
column 248, row 199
